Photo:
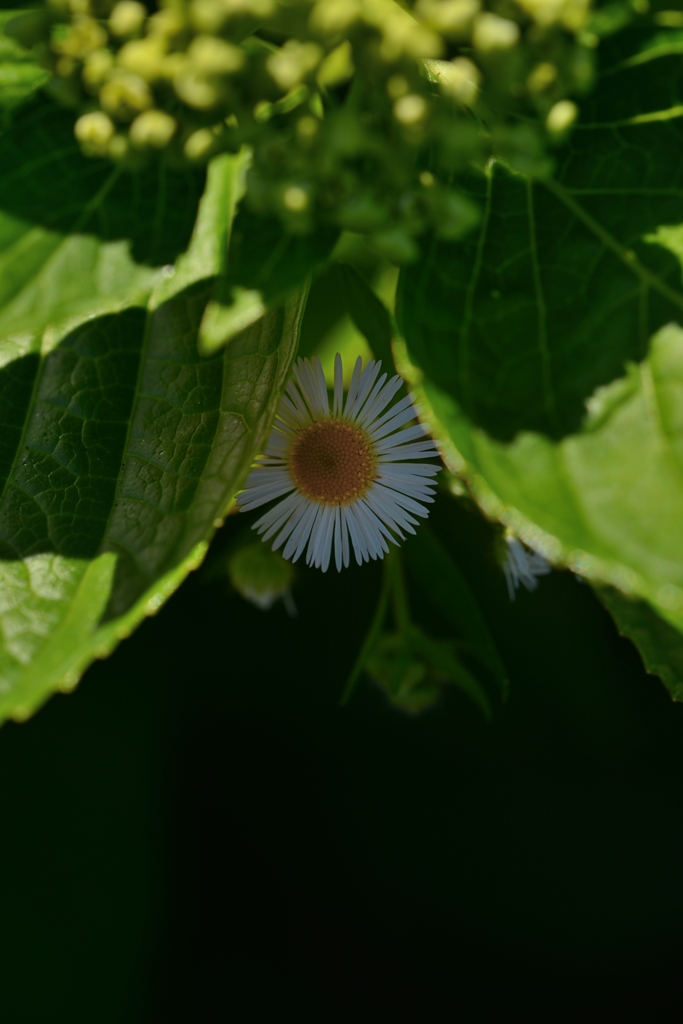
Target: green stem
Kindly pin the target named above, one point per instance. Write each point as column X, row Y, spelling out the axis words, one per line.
column 373, row 633
column 400, row 595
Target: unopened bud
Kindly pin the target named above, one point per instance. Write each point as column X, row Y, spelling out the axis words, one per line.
column 493, row 33
column 295, row 199
column 452, row 17
column 97, row 66
column 94, row 132
column 125, row 95
column 561, row 117
column 153, row 129
column 459, row 78
column 118, row 147
column 127, row 18
column 410, row 109
column 293, row 62
column 195, row 90
column 199, row 144
column 212, row 56
column 143, row 57
column 168, row 22
column 541, row 77
column 260, row 575
column 84, row 36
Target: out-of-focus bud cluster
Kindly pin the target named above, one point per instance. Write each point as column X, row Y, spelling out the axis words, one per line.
column 360, row 113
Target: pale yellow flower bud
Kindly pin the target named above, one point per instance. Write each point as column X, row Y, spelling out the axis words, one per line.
column 293, row 62
column 541, row 77
column 127, row 18
column 295, row 199
column 493, row 33
column 94, row 132
column 452, row 17
column 195, row 90
column 333, row 16
column 459, row 78
column 84, row 36
column 154, row 129
column 199, row 144
column 410, row 109
column 561, row 117
column 212, row 56
column 125, row 95
column 97, row 66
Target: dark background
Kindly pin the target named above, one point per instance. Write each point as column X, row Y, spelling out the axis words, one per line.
column 200, row 834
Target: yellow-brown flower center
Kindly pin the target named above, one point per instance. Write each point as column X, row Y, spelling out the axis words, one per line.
column 332, row 461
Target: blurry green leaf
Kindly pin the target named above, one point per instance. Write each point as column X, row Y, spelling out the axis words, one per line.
column 411, row 668
column 369, row 314
column 265, row 263
column 443, row 583
column 513, row 336
column 659, row 644
column 20, row 74
column 207, row 252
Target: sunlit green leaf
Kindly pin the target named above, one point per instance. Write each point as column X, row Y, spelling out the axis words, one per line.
column 659, row 644
column 521, row 341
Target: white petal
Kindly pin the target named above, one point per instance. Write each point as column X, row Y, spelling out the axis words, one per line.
column 359, row 546
column 320, row 557
column 299, row 537
column 269, row 524
column 338, row 403
column 404, row 403
column 400, row 437
column 374, row 407
column 353, row 386
column 423, row 449
column 257, row 497
column 365, row 385
column 337, row 538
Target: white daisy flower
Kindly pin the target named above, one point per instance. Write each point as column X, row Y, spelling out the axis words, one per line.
column 342, row 473
column 523, row 566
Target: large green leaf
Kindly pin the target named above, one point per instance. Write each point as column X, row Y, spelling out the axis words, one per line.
column 130, row 451
column 659, row 644
column 512, row 335
column 120, row 447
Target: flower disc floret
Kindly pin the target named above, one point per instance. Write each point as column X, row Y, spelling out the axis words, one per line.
column 332, row 462
column 341, row 476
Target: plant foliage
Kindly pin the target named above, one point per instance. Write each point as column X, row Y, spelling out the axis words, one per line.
column 173, row 179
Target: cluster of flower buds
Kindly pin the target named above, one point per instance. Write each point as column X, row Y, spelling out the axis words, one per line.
column 359, row 113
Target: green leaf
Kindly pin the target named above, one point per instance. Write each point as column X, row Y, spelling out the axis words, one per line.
column 120, row 447
column 520, row 341
column 443, row 583
column 79, row 237
column 659, row 644
column 265, row 264
column 130, row 450
column 20, row 74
